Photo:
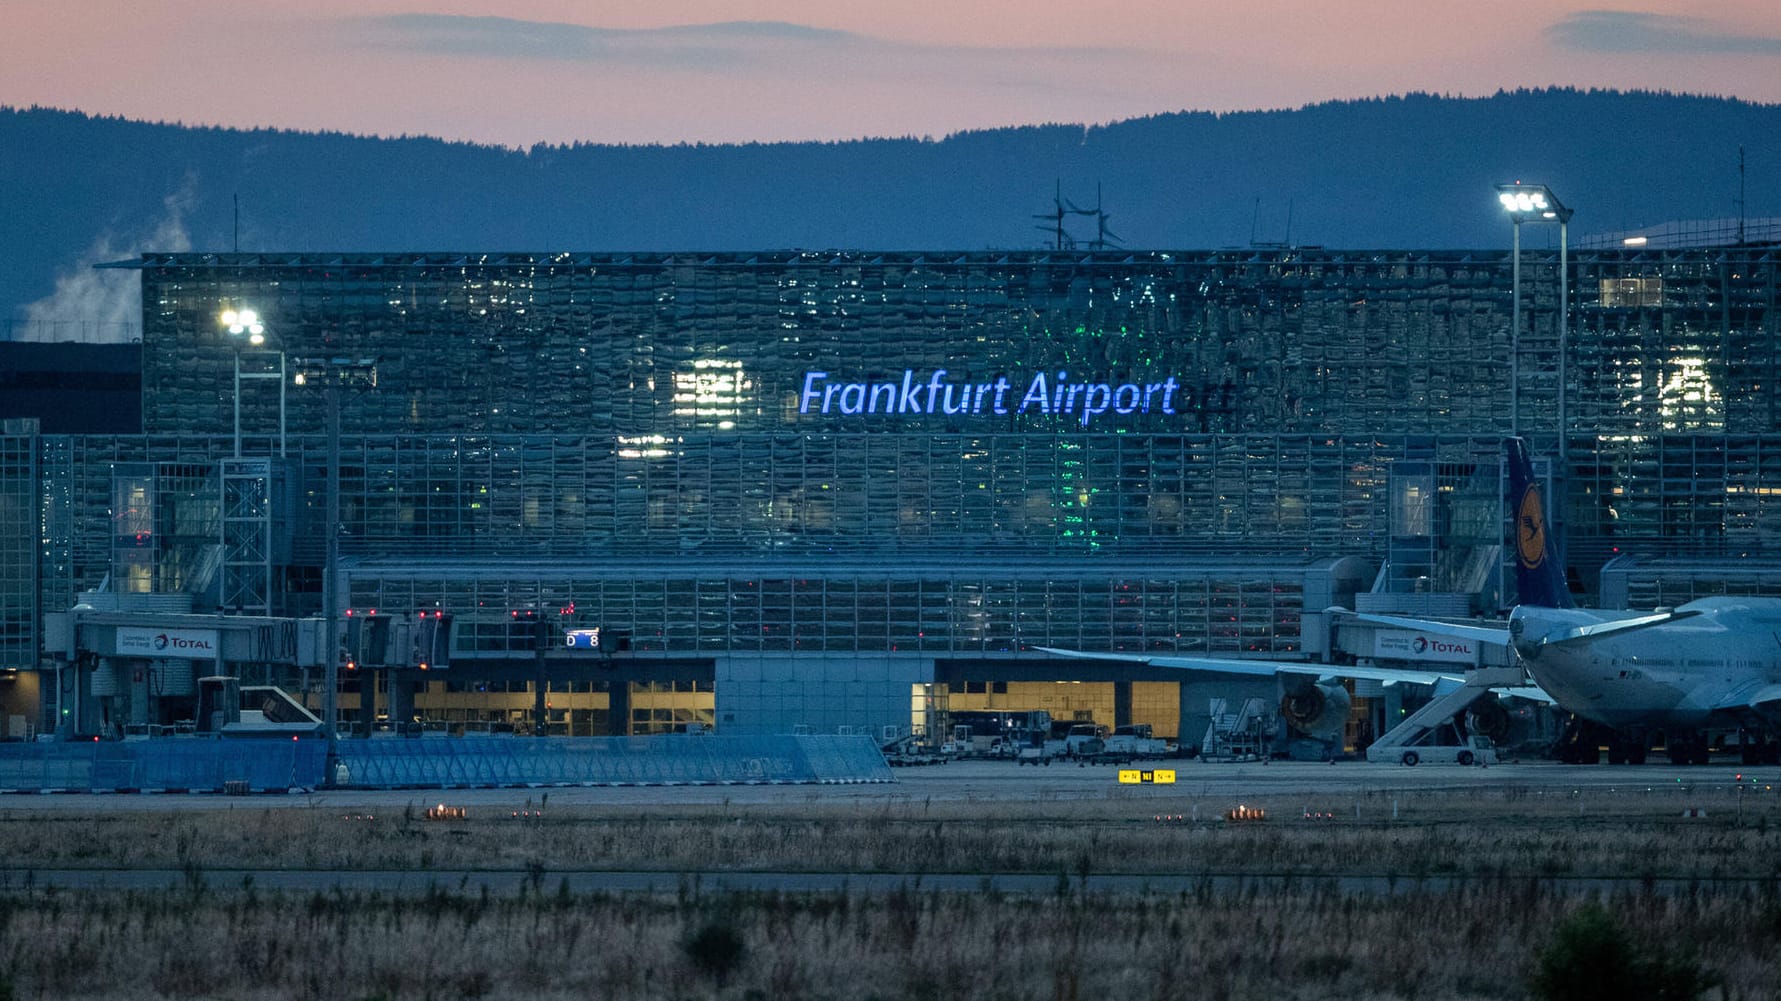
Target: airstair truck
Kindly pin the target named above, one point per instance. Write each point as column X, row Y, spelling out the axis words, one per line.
column 1416, row 739
column 1474, row 750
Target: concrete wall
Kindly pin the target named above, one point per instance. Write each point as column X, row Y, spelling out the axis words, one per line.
column 774, row 693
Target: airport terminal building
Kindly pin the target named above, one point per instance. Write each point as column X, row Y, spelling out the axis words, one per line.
column 854, row 489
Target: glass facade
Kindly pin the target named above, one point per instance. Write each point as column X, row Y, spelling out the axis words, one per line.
column 895, row 494
column 938, row 609
column 931, row 453
column 641, row 346
column 20, row 530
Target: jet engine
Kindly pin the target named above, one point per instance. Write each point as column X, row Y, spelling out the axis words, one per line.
column 1317, row 709
column 1488, row 717
column 1512, row 722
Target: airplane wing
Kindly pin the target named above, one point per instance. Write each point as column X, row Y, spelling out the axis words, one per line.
column 1479, row 634
column 1600, row 629
column 1500, row 637
column 1531, row 692
column 1268, row 668
column 1765, row 699
column 1444, row 680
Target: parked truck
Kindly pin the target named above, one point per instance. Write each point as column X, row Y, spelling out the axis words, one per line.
column 1035, row 750
column 1133, row 742
column 1084, row 741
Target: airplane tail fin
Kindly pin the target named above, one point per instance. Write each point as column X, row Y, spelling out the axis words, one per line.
column 1539, row 578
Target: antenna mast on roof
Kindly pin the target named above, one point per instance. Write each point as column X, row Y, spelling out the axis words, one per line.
column 1104, row 237
column 1060, row 239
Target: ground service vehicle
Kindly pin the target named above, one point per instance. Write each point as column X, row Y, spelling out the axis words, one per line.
column 994, row 732
column 1084, row 741
column 1135, row 741
column 1474, row 750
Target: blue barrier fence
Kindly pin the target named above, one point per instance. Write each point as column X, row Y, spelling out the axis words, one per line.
column 705, row 759
column 265, row 765
column 194, row 764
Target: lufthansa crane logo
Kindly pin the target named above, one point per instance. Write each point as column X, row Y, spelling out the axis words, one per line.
column 1530, row 528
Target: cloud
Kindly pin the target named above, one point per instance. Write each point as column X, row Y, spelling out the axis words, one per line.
column 775, row 46
column 509, row 38
column 737, row 80
column 106, row 306
column 1622, row 31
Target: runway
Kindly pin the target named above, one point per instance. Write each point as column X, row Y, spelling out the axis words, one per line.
column 996, row 781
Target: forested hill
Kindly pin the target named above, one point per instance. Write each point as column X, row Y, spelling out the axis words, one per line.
column 1413, row 171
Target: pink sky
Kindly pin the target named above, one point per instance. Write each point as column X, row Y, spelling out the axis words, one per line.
column 531, row 71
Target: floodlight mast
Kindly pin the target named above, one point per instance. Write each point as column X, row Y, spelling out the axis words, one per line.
column 1537, row 203
column 332, row 374
column 247, row 322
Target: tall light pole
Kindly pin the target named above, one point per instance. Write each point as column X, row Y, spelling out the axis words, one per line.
column 1537, row 203
column 331, row 374
column 246, row 322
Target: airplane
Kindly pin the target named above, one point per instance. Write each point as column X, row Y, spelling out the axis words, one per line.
column 1712, row 662
column 1623, row 675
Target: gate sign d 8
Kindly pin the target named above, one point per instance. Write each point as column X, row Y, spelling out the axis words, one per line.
column 582, row 639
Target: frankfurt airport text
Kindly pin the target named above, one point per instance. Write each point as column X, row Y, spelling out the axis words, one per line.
column 937, row 395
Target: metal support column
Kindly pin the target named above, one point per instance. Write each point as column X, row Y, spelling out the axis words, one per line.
column 246, row 536
column 1515, row 333
column 331, row 585
column 540, row 710
column 1564, row 320
column 333, row 373
column 618, row 707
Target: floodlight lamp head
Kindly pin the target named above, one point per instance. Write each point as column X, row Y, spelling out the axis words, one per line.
column 1531, row 202
column 243, row 321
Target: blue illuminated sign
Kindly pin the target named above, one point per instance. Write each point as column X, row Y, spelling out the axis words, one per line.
column 582, row 639
column 1044, row 394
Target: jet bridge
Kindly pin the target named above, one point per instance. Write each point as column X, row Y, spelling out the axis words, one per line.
column 136, row 671
column 1480, row 683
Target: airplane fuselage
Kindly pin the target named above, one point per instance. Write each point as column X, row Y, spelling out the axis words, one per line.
column 1685, row 673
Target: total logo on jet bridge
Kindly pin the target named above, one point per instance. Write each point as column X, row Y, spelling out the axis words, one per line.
column 1403, row 645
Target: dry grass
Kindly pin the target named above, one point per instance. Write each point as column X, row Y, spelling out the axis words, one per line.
column 1476, row 834
column 1270, row 940
column 1475, row 943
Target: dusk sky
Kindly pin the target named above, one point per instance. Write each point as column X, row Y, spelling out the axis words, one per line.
column 557, row 71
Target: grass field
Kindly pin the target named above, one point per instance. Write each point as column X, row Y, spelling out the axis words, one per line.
column 1484, row 832
column 1479, row 940
column 1477, row 943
